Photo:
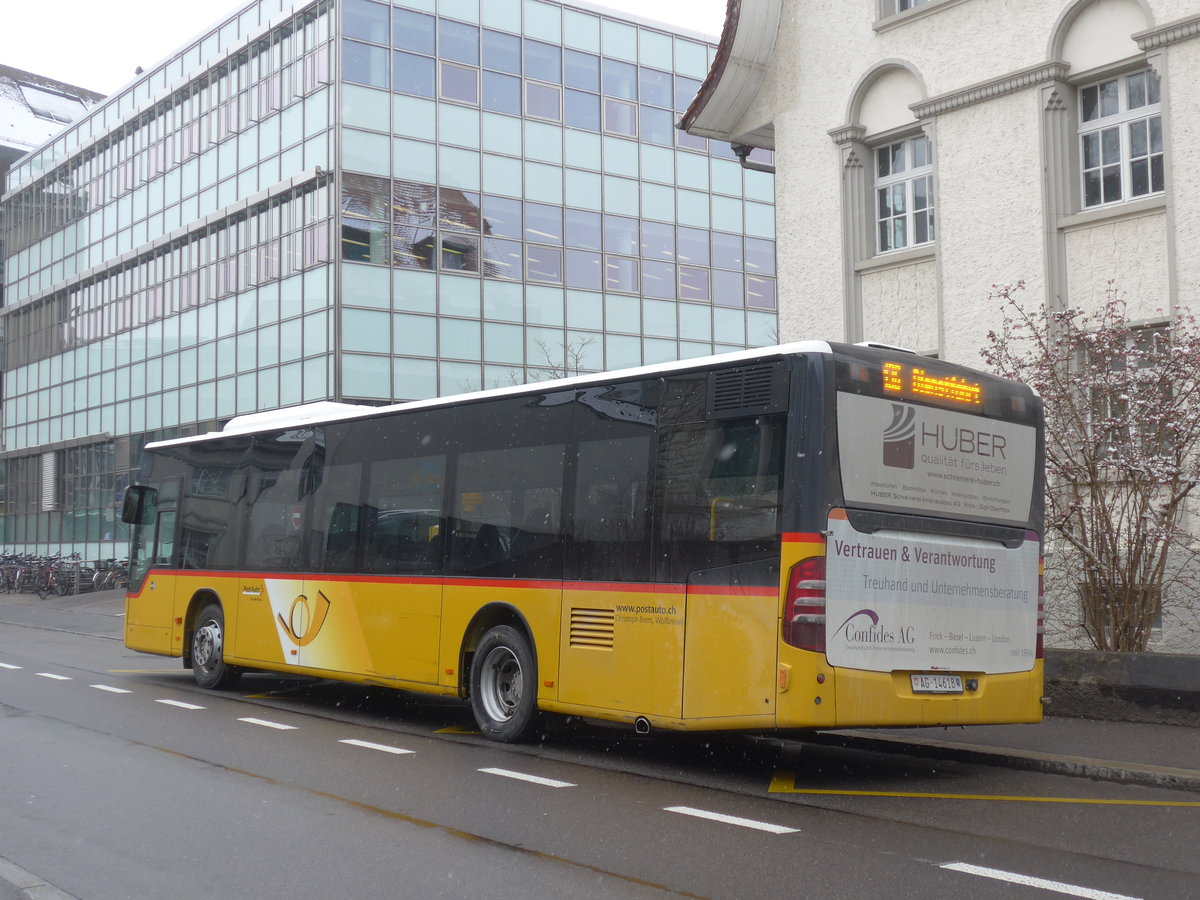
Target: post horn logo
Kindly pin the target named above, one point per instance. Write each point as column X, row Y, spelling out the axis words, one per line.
column 303, row 623
column 900, row 438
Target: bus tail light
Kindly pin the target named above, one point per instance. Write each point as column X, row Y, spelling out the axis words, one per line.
column 804, row 613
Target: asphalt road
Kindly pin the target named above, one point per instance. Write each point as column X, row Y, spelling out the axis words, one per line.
column 122, row 779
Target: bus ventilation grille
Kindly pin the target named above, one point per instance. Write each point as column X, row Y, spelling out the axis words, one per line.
column 593, row 628
column 746, row 391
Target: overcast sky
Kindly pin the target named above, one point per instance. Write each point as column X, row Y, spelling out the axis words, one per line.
column 97, row 45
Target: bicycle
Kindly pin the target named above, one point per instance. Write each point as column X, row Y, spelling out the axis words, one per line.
column 114, row 575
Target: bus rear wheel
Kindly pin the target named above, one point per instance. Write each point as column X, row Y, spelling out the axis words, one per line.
column 208, row 651
column 504, row 686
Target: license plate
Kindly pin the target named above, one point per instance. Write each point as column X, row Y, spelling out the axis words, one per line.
column 936, row 684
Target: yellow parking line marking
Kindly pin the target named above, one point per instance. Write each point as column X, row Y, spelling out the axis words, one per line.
column 785, row 783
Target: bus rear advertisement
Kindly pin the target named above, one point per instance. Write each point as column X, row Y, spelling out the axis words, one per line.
column 807, row 536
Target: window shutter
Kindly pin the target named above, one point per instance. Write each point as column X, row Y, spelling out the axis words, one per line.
column 49, row 485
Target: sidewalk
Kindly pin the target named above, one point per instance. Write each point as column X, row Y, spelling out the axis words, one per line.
column 1130, row 752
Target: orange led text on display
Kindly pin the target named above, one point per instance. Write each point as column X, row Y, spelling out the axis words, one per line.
column 917, row 383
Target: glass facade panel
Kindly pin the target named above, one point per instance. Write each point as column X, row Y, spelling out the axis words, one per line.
column 502, row 52
column 366, row 20
column 413, row 31
column 583, row 229
column 458, row 41
column 581, row 70
column 460, row 241
column 543, row 62
column 413, row 74
column 502, row 93
column 543, row 223
column 582, row 110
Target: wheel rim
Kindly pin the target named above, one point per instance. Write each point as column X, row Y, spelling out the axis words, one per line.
column 206, row 645
column 501, row 683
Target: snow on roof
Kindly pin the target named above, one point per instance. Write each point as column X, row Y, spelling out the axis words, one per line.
column 20, row 127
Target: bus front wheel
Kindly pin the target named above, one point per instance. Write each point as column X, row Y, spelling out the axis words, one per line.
column 504, row 685
column 208, row 651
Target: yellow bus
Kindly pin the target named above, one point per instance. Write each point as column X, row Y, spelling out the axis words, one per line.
column 813, row 535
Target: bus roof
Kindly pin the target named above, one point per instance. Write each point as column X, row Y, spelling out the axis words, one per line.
column 327, row 411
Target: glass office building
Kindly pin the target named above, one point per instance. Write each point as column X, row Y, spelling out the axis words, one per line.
column 363, row 202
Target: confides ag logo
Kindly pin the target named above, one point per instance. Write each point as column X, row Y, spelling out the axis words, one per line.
column 862, row 629
column 900, row 438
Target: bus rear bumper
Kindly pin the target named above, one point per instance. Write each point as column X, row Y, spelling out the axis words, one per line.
column 888, row 699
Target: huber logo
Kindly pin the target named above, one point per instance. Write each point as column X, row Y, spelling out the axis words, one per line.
column 900, row 438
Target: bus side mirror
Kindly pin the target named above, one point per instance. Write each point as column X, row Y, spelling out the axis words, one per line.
column 138, row 502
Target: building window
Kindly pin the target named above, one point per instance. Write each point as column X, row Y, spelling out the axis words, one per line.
column 543, row 101
column 903, row 5
column 620, row 117
column 460, row 83
column 904, row 194
column 1120, row 136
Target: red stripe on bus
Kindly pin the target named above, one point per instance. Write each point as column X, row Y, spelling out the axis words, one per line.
column 803, row 537
column 623, row 587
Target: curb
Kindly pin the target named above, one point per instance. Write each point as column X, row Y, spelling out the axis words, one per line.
column 29, row 884
column 1029, row 760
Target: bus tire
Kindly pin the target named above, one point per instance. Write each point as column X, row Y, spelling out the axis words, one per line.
column 208, row 651
column 504, row 686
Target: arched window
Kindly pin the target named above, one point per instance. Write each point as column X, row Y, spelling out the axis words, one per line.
column 904, row 193
column 1121, row 139
column 1115, row 103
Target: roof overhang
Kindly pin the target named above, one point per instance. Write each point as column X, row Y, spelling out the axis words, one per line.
column 738, row 72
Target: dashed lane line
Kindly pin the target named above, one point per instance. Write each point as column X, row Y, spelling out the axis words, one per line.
column 9, row 666
column 179, row 703
column 532, row 779
column 110, row 689
column 278, row 726
column 54, row 677
column 1044, row 884
column 732, row 820
column 384, row 748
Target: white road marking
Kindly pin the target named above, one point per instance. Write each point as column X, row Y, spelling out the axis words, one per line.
column 55, row 677
column 533, row 779
column 8, row 666
column 263, row 722
column 399, row 751
column 732, row 820
column 110, row 689
column 1060, row 887
column 179, row 703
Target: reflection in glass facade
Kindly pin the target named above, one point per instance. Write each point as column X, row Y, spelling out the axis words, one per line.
column 365, row 202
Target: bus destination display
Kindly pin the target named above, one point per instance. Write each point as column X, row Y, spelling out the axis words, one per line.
column 915, row 383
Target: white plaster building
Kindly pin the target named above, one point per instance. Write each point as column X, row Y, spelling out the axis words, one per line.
column 929, row 149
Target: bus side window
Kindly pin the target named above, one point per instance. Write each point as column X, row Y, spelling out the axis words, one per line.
column 610, row 509
column 508, row 512
column 165, row 554
column 402, row 515
column 720, row 483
